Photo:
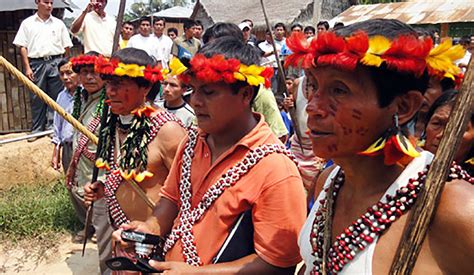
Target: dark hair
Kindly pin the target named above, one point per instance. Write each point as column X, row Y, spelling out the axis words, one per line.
column 325, row 24
column 144, row 18
column 389, row 83
column 232, row 47
column 309, row 28
column 447, row 84
column 189, row 23
column 173, row 29
column 62, row 62
column 78, row 68
column 199, row 23
column 279, row 24
column 247, row 20
column 338, row 25
column 133, row 56
column 449, row 98
column 128, row 23
column 465, row 40
column 297, row 25
column 156, row 19
column 222, row 29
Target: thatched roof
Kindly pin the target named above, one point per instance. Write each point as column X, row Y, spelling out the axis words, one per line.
column 13, row 5
column 234, row 11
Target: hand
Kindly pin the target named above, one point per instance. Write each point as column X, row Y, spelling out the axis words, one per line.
column 29, row 73
column 55, row 163
column 289, row 102
column 89, row 8
column 93, row 192
column 138, row 226
column 174, row 267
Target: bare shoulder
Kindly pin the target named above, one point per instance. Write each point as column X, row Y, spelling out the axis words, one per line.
column 451, row 231
column 322, row 179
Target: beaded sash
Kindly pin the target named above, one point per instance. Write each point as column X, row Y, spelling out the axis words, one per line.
column 363, row 231
column 81, row 149
column 188, row 217
column 114, row 179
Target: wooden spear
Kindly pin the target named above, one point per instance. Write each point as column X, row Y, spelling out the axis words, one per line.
column 51, row 103
column 425, row 206
column 103, row 121
column 281, row 80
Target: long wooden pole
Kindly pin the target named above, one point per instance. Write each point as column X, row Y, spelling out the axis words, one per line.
column 103, row 121
column 281, row 79
column 49, row 101
column 425, row 206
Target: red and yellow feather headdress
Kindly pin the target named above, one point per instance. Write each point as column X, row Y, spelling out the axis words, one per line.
column 405, row 54
column 218, row 68
column 114, row 67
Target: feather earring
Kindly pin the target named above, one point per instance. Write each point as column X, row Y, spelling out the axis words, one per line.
column 395, row 146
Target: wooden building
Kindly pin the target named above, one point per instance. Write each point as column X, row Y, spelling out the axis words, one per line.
column 15, row 114
column 453, row 18
column 288, row 12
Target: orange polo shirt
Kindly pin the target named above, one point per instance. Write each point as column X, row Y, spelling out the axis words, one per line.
column 272, row 189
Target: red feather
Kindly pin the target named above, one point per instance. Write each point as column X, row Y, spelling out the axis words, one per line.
column 407, row 54
column 302, row 51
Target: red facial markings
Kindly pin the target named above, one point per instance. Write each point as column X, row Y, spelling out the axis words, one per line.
column 361, row 131
column 356, row 114
column 346, row 131
column 332, row 109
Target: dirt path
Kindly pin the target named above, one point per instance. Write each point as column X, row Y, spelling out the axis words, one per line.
column 64, row 259
column 23, row 163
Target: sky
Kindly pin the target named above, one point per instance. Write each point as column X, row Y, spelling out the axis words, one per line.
column 111, row 8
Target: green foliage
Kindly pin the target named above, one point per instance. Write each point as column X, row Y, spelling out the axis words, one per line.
column 36, row 211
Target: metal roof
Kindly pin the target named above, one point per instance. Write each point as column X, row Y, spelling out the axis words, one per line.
column 416, row 12
column 175, row 12
column 13, row 5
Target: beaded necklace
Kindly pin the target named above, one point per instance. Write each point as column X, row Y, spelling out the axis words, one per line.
column 367, row 227
column 114, row 178
column 189, row 216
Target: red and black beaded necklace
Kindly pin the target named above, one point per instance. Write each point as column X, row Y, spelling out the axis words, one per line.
column 363, row 231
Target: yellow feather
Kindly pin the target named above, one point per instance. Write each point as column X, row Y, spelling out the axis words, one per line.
column 442, row 57
column 406, row 146
column 379, row 144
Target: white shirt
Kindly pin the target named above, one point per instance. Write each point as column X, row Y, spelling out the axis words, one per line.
column 362, row 262
column 464, row 60
column 268, row 47
column 163, row 49
column 98, row 33
column 185, row 112
column 147, row 43
column 43, row 37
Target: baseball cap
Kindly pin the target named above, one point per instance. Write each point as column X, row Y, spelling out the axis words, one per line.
column 244, row 25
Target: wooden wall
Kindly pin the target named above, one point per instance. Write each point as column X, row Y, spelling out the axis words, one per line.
column 15, row 114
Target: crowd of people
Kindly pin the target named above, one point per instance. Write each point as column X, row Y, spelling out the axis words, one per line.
column 237, row 173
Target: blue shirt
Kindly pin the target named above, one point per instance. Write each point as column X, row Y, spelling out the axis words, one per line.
column 63, row 131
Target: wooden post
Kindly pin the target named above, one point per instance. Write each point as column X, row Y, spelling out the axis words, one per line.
column 425, row 206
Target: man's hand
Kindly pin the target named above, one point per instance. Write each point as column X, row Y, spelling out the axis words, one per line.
column 174, row 267
column 138, row 226
column 89, row 8
column 92, row 192
column 55, row 163
column 29, row 73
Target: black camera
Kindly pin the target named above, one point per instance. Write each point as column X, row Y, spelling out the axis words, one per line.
column 147, row 247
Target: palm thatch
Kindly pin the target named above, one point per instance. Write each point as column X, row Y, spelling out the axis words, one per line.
column 234, row 11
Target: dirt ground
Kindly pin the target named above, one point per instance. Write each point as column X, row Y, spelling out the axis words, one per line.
column 24, row 163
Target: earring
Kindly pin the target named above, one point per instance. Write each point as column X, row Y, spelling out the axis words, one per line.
column 395, row 146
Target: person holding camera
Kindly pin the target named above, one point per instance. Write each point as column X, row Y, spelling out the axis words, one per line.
column 97, row 28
